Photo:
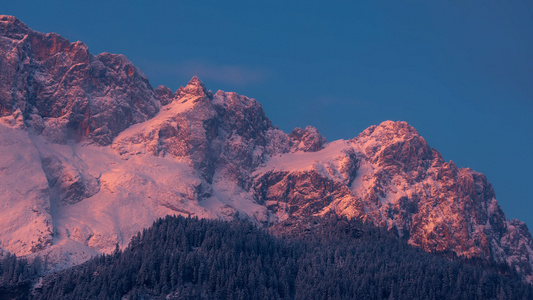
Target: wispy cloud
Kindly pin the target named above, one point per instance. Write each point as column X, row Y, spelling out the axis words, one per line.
column 229, row 74
column 238, row 75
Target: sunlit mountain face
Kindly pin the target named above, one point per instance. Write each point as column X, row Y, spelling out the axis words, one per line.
column 92, row 155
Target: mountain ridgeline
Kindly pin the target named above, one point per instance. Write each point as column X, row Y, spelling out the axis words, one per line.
column 92, row 154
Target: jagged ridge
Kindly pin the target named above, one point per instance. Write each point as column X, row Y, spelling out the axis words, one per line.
column 104, row 155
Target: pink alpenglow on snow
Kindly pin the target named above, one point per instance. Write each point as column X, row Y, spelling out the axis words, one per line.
column 92, row 154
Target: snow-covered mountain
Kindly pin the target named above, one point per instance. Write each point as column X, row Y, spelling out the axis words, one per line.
column 92, row 154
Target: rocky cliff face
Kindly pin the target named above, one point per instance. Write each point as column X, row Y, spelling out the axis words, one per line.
column 221, row 132
column 389, row 175
column 92, row 154
column 64, row 92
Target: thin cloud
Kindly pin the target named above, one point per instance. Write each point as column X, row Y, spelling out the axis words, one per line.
column 228, row 74
column 237, row 75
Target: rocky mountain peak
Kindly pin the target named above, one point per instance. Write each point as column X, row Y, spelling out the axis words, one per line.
column 389, row 131
column 195, row 81
column 396, row 143
column 64, row 92
column 308, row 139
column 209, row 156
column 12, row 27
column 195, row 88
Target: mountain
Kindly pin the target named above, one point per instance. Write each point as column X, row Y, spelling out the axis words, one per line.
column 92, row 154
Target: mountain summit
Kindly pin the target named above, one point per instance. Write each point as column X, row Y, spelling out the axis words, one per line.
column 195, row 87
column 64, row 92
column 92, row 154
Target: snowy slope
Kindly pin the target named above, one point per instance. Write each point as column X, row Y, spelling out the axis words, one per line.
column 25, row 211
column 388, row 175
column 92, row 154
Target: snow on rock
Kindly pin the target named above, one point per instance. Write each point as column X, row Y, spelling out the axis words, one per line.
column 309, row 183
column 216, row 131
column 67, row 180
column 516, row 250
column 91, row 155
column 64, row 92
column 132, row 193
column 388, row 175
column 164, row 94
column 25, row 200
column 308, row 139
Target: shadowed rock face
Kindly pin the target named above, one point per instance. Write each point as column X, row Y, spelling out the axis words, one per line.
column 164, row 94
column 228, row 157
column 308, row 139
column 64, row 92
column 300, row 193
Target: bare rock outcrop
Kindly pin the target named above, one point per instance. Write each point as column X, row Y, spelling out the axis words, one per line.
column 92, row 154
column 66, row 93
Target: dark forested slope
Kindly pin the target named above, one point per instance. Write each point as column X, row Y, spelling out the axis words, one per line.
column 187, row 258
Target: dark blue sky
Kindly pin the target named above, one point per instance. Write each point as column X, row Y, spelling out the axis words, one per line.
column 460, row 72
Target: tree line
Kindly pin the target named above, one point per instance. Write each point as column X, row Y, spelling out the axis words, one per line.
column 332, row 258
